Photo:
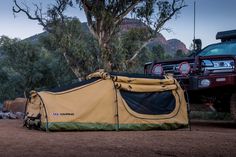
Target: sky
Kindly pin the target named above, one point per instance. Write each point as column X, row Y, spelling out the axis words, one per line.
column 211, row 16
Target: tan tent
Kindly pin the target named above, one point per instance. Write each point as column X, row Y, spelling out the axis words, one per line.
column 110, row 102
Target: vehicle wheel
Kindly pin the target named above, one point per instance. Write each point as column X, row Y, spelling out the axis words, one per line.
column 233, row 106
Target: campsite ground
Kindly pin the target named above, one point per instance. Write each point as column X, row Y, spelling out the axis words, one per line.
column 205, row 139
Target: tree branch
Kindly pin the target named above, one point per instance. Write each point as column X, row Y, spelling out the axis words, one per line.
column 123, row 14
column 87, row 9
column 159, row 24
column 38, row 13
column 136, row 53
column 174, row 11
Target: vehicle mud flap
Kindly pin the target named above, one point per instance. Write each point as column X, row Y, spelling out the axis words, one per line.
column 233, row 106
column 186, row 95
column 188, row 109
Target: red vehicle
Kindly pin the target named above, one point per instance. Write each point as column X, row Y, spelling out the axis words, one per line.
column 209, row 74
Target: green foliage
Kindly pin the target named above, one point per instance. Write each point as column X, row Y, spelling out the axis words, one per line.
column 125, row 45
column 158, row 53
column 180, row 54
column 132, row 41
column 26, row 67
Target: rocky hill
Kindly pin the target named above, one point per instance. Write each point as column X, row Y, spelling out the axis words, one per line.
column 170, row 46
column 175, row 44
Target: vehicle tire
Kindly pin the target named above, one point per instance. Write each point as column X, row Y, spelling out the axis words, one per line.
column 233, row 106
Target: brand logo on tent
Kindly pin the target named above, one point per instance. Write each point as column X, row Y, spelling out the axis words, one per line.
column 63, row 114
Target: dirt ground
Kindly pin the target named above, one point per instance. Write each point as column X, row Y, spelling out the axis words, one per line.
column 205, row 139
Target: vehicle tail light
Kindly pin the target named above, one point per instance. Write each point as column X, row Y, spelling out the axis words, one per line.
column 184, row 68
column 157, row 69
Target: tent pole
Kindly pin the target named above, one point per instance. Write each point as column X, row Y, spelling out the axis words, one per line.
column 46, row 115
column 117, row 112
column 24, row 124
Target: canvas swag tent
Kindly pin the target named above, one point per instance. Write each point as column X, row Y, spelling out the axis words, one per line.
column 110, row 102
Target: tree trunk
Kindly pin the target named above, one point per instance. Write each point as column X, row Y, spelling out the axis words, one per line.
column 106, row 56
column 74, row 69
column 106, row 60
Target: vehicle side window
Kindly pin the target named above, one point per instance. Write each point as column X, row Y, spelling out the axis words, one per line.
column 219, row 49
column 233, row 48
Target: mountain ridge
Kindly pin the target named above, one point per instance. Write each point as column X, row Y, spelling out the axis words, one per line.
column 170, row 46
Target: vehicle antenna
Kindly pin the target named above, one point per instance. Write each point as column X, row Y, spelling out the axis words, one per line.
column 194, row 23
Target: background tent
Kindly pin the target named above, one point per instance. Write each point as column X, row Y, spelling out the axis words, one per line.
column 17, row 105
column 110, row 102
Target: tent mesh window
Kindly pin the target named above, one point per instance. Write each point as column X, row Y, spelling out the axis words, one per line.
column 74, row 85
column 152, row 103
column 135, row 75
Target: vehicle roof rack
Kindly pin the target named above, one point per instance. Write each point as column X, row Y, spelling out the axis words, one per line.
column 226, row 35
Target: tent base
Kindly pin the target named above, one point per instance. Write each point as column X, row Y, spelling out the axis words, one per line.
column 77, row 126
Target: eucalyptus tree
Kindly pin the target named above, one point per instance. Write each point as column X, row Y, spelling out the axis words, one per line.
column 104, row 18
